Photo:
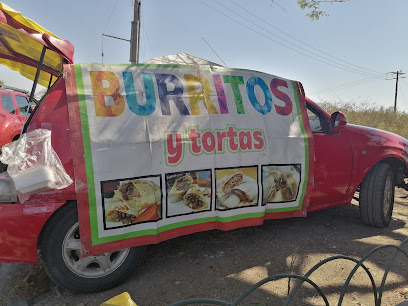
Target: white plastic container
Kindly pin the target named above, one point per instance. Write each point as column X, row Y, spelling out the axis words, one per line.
column 34, row 180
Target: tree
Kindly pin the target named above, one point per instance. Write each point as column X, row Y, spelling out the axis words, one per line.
column 314, row 7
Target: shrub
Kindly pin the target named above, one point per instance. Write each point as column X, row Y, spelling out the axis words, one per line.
column 369, row 114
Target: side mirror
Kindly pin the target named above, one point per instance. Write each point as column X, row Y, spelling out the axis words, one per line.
column 337, row 121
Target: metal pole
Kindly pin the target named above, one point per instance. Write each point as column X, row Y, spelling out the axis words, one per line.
column 115, row 37
column 400, row 75
column 37, row 76
column 135, row 34
column 396, row 93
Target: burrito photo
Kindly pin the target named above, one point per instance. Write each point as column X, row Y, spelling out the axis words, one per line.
column 195, row 199
column 270, row 186
column 288, row 185
column 119, row 212
column 180, row 188
column 130, row 199
column 279, row 187
column 237, row 190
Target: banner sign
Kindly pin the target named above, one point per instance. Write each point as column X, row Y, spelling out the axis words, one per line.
column 171, row 150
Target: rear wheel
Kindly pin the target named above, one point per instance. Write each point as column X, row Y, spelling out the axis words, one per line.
column 377, row 196
column 60, row 251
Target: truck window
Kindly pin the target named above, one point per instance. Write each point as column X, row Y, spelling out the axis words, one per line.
column 22, row 103
column 315, row 123
column 7, row 102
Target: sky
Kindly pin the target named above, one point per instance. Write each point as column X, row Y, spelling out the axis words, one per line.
column 342, row 58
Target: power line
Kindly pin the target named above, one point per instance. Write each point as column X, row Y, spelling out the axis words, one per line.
column 302, row 42
column 347, row 85
column 405, row 82
column 297, row 46
column 321, row 59
column 214, row 52
column 404, row 92
column 110, row 16
column 280, row 6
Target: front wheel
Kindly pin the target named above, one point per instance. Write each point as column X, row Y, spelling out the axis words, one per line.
column 377, row 196
column 60, row 250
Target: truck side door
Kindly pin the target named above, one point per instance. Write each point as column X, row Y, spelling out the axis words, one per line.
column 333, row 160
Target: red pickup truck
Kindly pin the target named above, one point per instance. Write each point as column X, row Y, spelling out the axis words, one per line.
column 347, row 158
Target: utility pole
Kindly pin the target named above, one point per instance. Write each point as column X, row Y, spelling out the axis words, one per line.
column 135, row 34
column 398, row 73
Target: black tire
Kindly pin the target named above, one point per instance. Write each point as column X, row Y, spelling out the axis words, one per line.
column 377, row 196
column 59, row 253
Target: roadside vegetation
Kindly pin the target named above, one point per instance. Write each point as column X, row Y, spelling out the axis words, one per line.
column 369, row 114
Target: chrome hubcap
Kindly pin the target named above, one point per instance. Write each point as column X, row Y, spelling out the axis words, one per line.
column 388, row 196
column 91, row 266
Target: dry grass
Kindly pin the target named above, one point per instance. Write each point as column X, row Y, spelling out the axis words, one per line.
column 369, row 114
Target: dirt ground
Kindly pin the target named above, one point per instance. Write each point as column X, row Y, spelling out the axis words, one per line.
column 222, row 265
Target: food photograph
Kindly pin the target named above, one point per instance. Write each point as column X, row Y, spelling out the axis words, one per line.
column 188, row 192
column 280, row 183
column 131, row 201
column 236, row 187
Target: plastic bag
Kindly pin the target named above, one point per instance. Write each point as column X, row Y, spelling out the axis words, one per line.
column 33, row 164
column 122, row 299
